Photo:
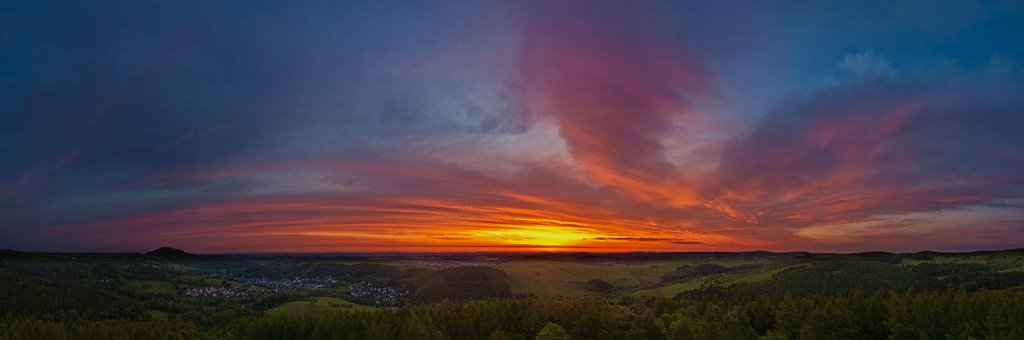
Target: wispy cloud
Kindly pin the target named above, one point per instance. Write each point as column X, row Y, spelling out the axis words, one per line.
column 599, row 126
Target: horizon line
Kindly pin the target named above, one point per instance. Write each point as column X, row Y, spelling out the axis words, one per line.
column 513, row 252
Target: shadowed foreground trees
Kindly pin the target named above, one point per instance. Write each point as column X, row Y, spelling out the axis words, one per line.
column 954, row 313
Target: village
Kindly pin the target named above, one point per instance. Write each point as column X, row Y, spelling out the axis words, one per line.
column 284, row 285
column 381, row 294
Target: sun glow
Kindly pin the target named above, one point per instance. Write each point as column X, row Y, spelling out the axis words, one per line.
column 535, row 235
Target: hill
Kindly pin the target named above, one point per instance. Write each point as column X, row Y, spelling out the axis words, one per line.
column 460, row 283
column 170, row 252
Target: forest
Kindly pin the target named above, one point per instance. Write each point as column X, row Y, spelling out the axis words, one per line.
column 169, row 294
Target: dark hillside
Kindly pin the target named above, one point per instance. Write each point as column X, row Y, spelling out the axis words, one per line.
column 170, row 252
column 31, row 297
column 834, row 276
column 460, row 283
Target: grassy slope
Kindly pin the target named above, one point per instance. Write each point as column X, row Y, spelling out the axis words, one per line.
column 548, row 277
column 545, row 277
column 727, row 279
column 317, row 304
column 151, row 286
column 539, row 276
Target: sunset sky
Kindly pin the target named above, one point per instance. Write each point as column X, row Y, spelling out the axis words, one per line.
column 449, row 126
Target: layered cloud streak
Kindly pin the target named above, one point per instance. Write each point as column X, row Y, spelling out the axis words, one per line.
column 503, row 127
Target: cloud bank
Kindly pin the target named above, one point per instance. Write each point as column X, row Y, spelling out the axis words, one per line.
column 467, row 126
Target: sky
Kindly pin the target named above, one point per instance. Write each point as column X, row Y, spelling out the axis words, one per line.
column 484, row 126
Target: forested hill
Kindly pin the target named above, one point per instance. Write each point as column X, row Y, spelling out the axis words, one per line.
column 170, row 292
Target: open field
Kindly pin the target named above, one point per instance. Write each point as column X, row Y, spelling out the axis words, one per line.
column 559, row 274
column 151, row 286
column 174, row 287
column 318, row 304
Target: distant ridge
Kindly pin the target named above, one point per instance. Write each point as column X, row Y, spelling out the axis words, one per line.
column 21, row 255
column 175, row 254
column 171, row 252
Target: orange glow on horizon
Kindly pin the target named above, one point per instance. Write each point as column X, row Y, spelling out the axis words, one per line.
column 404, row 225
column 532, row 235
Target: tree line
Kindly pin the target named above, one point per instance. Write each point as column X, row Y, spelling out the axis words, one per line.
column 952, row 313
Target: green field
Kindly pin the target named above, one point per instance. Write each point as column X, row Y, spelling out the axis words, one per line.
column 544, row 277
column 268, row 293
column 316, row 305
column 548, row 277
column 727, row 279
column 151, row 286
column 158, row 315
